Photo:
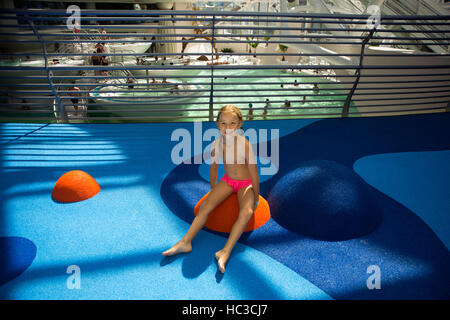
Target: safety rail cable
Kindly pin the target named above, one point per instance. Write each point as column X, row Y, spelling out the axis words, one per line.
column 188, row 91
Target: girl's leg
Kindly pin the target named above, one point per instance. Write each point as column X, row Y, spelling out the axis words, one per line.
column 246, row 200
column 219, row 193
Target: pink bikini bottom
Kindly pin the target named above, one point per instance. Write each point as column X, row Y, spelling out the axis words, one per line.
column 236, row 184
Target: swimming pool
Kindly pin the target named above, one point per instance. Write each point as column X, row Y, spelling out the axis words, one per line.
column 239, row 87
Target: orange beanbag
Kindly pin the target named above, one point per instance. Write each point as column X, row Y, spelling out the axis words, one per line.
column 75, row 186
column 225, row 214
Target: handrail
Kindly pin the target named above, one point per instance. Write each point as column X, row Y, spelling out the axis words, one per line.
column 346, row 107
column 48, row 72
column 211, row 87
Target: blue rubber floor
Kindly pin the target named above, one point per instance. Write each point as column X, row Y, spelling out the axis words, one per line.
column 145, row 205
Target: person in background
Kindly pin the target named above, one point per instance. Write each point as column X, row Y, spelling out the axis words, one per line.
column 316, row 88
column 266, row 107
column 96, row 61
column 250, row 111
column 130, row 83
column 25, row 106
column 75, row 99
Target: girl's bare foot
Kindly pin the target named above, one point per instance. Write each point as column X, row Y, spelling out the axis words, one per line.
column 222, row 258
column 179, row 247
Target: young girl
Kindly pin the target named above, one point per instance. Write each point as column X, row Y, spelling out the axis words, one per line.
column 241, row 177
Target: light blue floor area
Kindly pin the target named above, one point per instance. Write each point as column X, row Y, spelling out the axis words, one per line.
column 418, row 180
column 116, row 237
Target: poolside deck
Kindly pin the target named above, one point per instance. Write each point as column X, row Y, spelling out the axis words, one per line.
column 116, row 237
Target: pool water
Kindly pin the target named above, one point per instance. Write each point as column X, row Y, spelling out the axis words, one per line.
column 258, row 91
column 255, row 86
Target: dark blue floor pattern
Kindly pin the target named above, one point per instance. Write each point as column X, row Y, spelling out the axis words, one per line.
column 12, row 264
column 415, row 263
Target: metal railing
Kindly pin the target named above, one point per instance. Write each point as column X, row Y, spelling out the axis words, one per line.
column 185, row 65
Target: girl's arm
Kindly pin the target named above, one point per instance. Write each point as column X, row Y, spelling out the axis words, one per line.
column 214, row 168
column 253, row 170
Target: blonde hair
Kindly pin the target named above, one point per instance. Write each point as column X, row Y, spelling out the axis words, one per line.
column 233, row 109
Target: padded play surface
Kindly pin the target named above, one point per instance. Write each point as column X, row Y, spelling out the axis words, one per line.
column 349, row 196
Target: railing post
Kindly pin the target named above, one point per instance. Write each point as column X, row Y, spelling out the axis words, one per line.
column 62, row 110
column 211, row 93
column 348, row 100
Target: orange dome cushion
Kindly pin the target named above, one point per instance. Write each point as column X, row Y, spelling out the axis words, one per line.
column 75, row 186
column 225, row 214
